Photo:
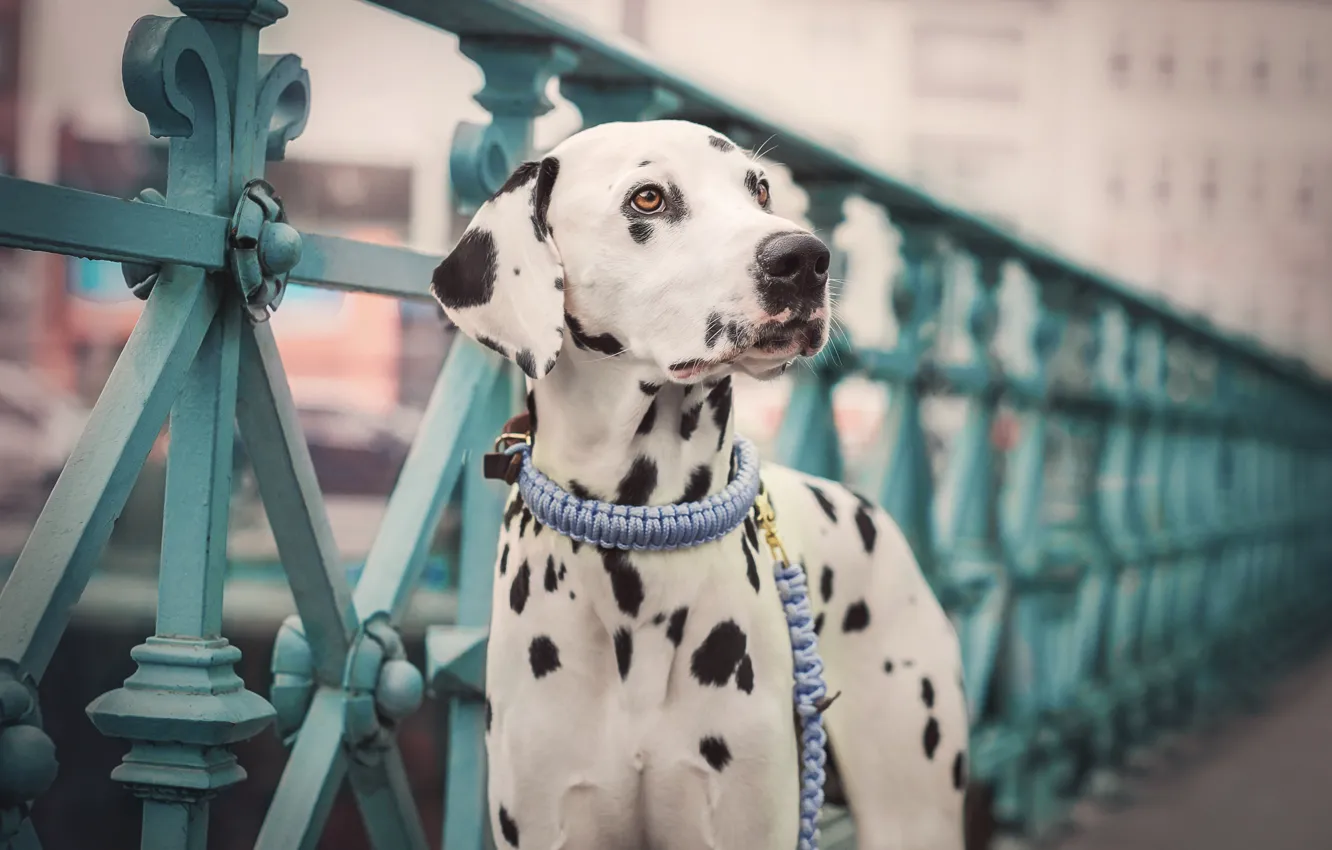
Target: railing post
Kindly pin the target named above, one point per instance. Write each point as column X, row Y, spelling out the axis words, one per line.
column 971, row 581
column 185, row 705
column 808, row 437
column 1118, row 520
column 514, row 93
column 1153, row 460
column 906, row 488
column 602, row 101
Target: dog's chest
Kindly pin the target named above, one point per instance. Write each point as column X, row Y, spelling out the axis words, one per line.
column 645, row 625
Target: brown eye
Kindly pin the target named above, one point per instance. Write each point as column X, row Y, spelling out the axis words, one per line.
column 648, row 199
column 762, row 194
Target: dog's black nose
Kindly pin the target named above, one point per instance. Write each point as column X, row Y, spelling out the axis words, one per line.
column 798, row 259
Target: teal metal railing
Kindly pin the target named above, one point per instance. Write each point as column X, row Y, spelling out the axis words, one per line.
column 1155, row 553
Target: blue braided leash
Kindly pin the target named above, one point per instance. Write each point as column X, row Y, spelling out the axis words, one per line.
column 665, row 527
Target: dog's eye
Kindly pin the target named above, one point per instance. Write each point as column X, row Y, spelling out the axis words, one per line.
column 648, row 199
column 761, row 193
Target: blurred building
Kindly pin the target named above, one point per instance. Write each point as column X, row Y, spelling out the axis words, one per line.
column 1185, row 145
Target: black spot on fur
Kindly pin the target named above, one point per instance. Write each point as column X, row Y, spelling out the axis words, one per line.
column 700, row 480
column 638, row 483
column 492, row 345
column 490, row 714
column 521, row 176
column 715, row 752
column 818, row 624
column 550, row 364
column 504, row 559
column 536, row 526
column 466, row 277
column 552, row 582
column 719, row 399
column 828, row 508
column 559, row 284
column 514, row 508
column 543, row 655
column 927, row 692
column 857, row 617
column 677, row 209
column 561, row 576
column 689, row 421
column 826, row 583
column 520, row 589
column 550, row 169
column 720, row 144
column 522, row 523
column 751, row 531
column 931, row 738
column 887, row 666
column 751, row 567
column 624, row 650
column 581, row 492
column 645, row 163
column 730, row 475
column 675, row 631
column 713, row 334
column 658, row 618
column 649, row 419
column 960, row 770
column 508, row 827
column 649, row 389
column 744, row 675
column 640, row 231
column 601, row 343
column 626, row 583
column 716, row 658
column 865, row 525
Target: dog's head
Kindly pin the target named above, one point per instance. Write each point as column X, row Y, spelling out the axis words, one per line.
column 650, row 241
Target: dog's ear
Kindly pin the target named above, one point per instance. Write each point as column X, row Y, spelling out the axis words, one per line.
column 503, row 283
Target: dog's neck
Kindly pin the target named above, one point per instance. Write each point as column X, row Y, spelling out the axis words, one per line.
column 603, row 429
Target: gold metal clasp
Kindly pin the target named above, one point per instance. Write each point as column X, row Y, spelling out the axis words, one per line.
column 767, row 520
column 511, row 438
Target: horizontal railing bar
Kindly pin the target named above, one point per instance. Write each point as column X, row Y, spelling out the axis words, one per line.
column 60, row 220
column 337, row 263
column 616, row 61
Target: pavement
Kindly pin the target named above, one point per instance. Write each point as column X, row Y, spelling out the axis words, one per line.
column 1259, row 781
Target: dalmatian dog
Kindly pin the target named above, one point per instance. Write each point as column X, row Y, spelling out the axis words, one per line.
column 644, row 699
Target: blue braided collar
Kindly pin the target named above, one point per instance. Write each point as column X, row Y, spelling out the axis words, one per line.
column 613, row 526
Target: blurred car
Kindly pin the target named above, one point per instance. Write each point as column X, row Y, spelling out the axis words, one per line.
column 357, row 452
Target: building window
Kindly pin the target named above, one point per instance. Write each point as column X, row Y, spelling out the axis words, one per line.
column 1216, row 67
column 1161, row 188
column 1262, row 71
column 1258, row 184
column 1309, row 69
column 1304, row 195
column 1165, row 63
column 1209, row 185
column 1120, row 62
column 1115, row 188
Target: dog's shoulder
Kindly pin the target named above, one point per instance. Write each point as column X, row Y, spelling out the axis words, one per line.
column 818, row 509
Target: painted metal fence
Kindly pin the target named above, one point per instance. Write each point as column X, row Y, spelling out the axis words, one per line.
column 1157, row 549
